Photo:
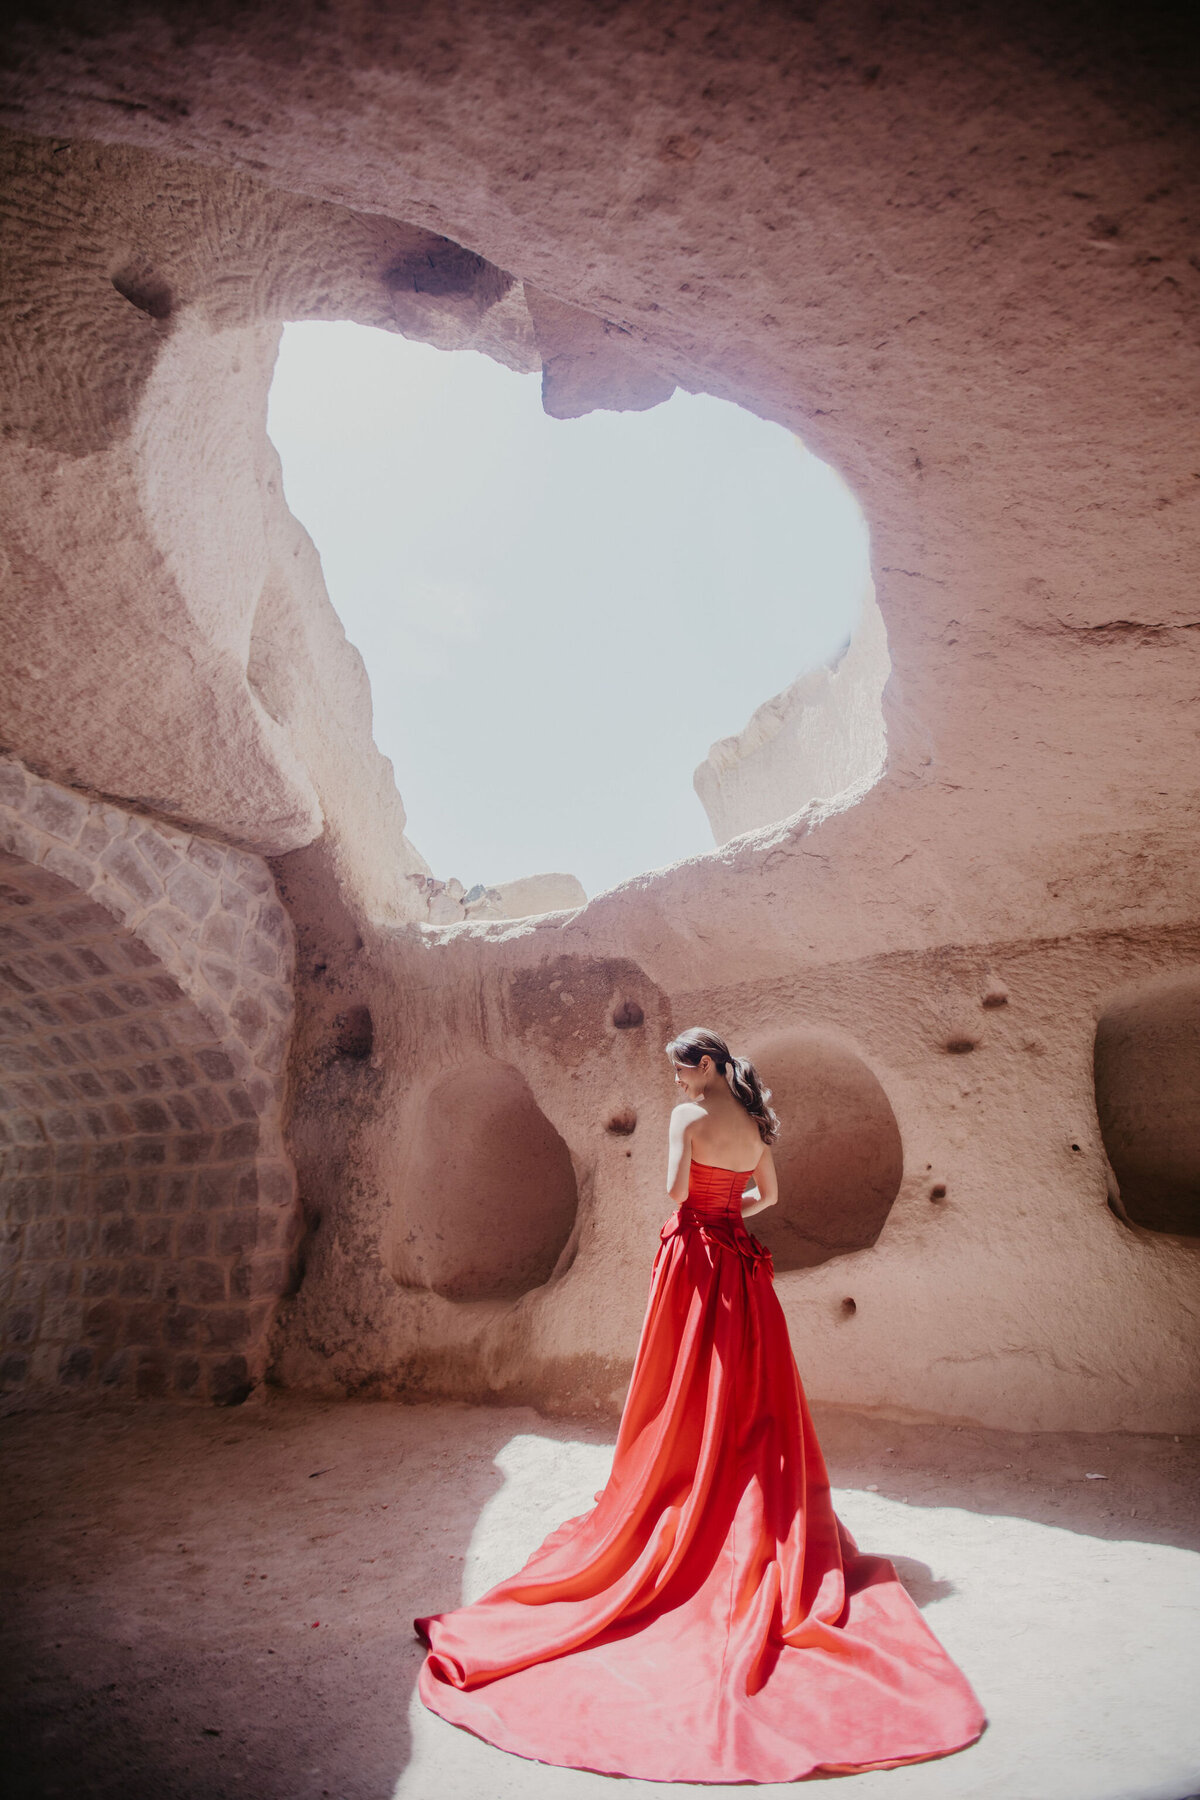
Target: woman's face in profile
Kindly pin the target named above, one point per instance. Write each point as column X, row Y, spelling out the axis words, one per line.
column 690, row 1082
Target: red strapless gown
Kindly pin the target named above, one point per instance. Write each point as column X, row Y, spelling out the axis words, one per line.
column 710, row 1619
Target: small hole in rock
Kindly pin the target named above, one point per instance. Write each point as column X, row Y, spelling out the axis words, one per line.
column 995, row 996
column 145, row 290
column 1074, row 1146
column 623, row 1122
column 849, row 1306
column 938, row 1191
column 355, row 1033
column 628, row 1015
column 959, row 1046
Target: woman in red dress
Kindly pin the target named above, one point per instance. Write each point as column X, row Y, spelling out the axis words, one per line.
column 710, row 1619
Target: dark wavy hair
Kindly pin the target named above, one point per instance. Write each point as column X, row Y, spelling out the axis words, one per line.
column 745, row 1083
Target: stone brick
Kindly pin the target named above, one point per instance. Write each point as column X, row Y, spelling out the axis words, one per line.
column 183, row 1112
column 20, row 839
column 210, row 857
column 144, row 1322
column 185, row 1377
column 121, row 1082
column 102, row 1321
column 150, row 1115
column 117, row 1236
column 193, row 1235
column 259, row 1275
column 152, row 1076
column 165, row 990
column 87, row 1083
column 215, row 1064
column 137, row 1037
column 250, row 1017
column 13, row 1368
column 137, row 1279
column 62, row 1124
column 76, row 1365
column 217, row 1188
column 178, row 1190
column 104, row 1003
column 235, row 1232
column 278, row 998
column 203, row 1283
column 180, row 1070
column 61, row 1322
column 115, row 1119
column 193, row 1147
column 273, row 922
column 123, row 863
column 93, row 963
column 81, row 1236
column 133, row 994
column 45, row 1239
column 226, row 1328
column 106, row 1157
column 100, row 1280
column 116, row 1369
column 95, row 836
column 192, row 891
column 72, row 866
column 20, row 1324
column 239, row 1102
column 221, row 933
column 145, row 1151
column 181, row 1326
column 211, row 1106
column 113, row 1193
column 61, row 1281
column 220, row 976
column 153, row 1374
column 161, row 855
column 134, row 952
column 228, row 1380
column 63, row 970
column 238, row 1141
column 154, row 1237
column 262, row 955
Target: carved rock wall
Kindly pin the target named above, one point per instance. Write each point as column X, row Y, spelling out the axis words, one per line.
column 953, row 253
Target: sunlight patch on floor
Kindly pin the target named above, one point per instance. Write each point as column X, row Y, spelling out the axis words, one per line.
column 1085, row 1652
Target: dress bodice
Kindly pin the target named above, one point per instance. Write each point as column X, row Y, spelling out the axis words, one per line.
column 716, row 1190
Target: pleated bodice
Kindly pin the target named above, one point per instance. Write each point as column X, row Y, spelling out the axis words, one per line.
column 712, row 1214
column 712, row 1189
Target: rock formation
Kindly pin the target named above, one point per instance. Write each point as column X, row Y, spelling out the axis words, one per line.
column 954, row 253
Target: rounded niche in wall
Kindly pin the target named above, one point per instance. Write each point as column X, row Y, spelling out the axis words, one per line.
column 839, row 1156
column 490, row 1198
column 1147, row 1072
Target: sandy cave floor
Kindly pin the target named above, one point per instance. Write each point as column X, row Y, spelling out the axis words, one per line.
column 205, row 1603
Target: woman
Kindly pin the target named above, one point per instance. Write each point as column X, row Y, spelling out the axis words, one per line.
column 711, row 1619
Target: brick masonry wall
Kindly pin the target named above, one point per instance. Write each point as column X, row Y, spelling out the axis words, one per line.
column 148, row 1204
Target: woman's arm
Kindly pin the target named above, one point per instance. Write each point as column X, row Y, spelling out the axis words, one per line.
column 765, row 1191
column 679, row 1149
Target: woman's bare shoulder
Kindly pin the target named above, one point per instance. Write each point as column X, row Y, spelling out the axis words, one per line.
column 687, row 1112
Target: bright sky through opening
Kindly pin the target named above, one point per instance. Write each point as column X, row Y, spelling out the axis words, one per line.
column 558, row 617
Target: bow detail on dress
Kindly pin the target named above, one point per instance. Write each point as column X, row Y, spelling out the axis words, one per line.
column 720, row 1230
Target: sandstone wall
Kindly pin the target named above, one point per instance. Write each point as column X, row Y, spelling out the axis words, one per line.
column 953, row 253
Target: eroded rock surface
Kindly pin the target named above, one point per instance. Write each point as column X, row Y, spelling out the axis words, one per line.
column 954, row 255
